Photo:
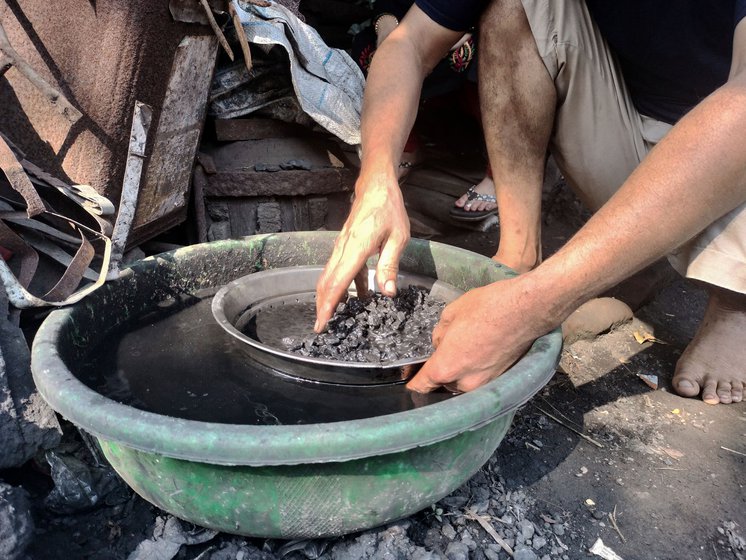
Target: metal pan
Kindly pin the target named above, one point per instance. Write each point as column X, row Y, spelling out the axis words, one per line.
column 238, row 302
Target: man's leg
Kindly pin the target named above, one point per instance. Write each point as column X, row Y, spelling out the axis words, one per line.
column 518, row 100
column 598, row 139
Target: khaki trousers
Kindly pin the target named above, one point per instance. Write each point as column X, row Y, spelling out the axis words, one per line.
column 599, row 137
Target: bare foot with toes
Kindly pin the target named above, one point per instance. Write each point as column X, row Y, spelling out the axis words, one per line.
column 715, row 360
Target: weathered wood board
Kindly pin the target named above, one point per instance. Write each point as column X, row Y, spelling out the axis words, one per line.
column 165, row 187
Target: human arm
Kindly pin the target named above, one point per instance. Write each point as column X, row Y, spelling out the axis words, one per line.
column 695, row 175
column 378, row 221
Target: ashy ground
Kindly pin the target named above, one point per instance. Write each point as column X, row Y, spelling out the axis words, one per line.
column 596, row 454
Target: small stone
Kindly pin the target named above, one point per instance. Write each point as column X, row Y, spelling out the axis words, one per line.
column 454, row 502
column 597, row 514
column 16, row 525
column 468, row 540
column 457, row 551
column 523, row 552
column 433, row 538
column 538, row 542
column 481, row 507
column 448, row 531
column 559, row 529
column 491, row 554
column 526, row 528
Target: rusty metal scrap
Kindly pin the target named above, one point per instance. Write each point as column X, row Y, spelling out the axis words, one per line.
column 16, row 284
column 11, row 58
column 141, row 121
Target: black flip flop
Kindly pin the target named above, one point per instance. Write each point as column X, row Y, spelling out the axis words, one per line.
column 473, row 215
column 470, row 215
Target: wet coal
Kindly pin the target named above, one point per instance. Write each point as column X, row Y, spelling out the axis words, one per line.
column 375, row 329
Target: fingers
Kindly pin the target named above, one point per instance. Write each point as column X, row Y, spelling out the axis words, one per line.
column 423, row 382
column 441, row 327
column 428, row 378
column 336, row 278
column 388, row 263
column 361, row 283
column 435, row 373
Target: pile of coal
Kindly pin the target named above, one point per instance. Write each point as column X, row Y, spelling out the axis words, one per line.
column 377, row 329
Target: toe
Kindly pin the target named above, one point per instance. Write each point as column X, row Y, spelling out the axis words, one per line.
column 724, row 392
column 709, row 393
column 461, row 201
column 736, row 391
column 685, row 386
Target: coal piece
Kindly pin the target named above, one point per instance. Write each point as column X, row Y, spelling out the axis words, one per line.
column 376, row 329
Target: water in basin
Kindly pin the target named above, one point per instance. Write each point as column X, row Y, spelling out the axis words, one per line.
column 179, row 362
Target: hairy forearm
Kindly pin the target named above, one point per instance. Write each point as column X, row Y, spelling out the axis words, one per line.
column 390, row 106
column 693, row 177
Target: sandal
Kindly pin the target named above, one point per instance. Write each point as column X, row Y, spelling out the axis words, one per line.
column 410, row 161
column 473, row 216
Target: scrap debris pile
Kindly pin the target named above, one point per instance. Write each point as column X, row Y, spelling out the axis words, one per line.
column 377, row 329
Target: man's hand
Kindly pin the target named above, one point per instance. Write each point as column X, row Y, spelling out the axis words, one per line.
column 482, row 334
column 377, row 224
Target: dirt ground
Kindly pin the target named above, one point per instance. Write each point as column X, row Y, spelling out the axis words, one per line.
column 596, row 454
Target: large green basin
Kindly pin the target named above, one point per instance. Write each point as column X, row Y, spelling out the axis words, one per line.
column 287, row 482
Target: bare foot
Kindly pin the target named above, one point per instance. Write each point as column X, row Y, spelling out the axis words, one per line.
column 715, row 360
column 485, row 187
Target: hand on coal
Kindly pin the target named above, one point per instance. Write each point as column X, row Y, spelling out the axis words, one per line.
column 377, row 224
column 480, row 335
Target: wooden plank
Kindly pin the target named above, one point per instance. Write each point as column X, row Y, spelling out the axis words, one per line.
column 300, row 214
column 287, row 213
column 165, row 189
column 230, row 130
column 268, row 217
column 318, row 209
column 200, row 215
column 245, row 155
column 242, row 215
column 280, row 183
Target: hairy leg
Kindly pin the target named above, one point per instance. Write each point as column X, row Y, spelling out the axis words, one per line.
column 715, row 360
column 518, row 100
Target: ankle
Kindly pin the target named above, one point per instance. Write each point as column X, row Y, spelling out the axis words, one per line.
column 521, row 262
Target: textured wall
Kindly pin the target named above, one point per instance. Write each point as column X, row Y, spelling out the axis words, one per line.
column 103, row 55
